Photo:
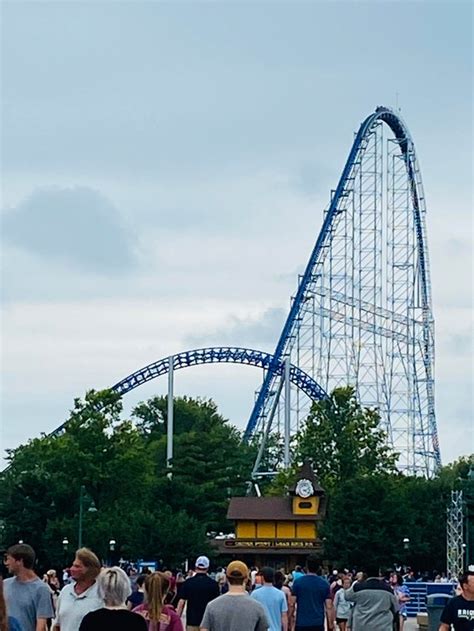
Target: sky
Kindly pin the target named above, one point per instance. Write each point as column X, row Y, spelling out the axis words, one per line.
column 165, row 167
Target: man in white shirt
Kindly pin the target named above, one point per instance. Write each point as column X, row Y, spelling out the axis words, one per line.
column 80, row 597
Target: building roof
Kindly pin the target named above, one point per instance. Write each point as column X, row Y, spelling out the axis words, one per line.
column 306, row 472
column 267, row 508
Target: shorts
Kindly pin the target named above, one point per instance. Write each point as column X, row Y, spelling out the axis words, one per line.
column 342, row 619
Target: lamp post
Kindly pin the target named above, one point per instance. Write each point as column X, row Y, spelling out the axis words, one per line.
column 65, row 543
column 406, row 548
column 91, row 509
column 112, row 544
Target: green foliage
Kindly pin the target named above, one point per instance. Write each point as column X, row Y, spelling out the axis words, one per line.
column 372, row 508
column 122, row 466
column 369, row 517
column 341, row 439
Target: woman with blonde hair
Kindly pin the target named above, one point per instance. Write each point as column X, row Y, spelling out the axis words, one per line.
column 7, row 623
column 113, row 586
column 160, row 617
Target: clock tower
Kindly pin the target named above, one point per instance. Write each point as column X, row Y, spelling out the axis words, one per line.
column 308, row 497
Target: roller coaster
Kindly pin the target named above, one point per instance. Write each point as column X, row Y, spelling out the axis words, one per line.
column 361, row 313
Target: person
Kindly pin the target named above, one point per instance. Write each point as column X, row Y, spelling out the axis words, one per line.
column 335, row 584
column 342, row 608
column 311, row 594
column 171, row 595
column 235, row 610
column 375, row 605
column 282, row 582
column 180, row 580
column 297, row 572
column 197, row 592
column 220, row 578
column 273, row 601
column 66, row 576
column 28, row 599
column 136, row 597
column 78, row 598
column 458, row 614
column 52, row 580
column 402, row 593
column 7, row 623
column 158, row 615
column 113, row 586
column 253, row 576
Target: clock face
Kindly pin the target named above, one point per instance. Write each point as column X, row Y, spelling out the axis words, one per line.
column 304, row 488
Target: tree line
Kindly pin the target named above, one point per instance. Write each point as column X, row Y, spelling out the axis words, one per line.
column 154, row 512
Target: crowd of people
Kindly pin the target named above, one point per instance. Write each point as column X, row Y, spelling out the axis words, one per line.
column 97, row 598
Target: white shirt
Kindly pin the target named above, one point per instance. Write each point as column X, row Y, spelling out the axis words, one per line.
column 72, row 607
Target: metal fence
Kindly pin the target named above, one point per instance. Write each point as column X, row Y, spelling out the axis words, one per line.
column 419, row 592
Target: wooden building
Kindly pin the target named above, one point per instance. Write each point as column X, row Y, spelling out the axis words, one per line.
column 278, row 531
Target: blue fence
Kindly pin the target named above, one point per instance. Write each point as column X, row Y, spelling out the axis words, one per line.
column 419, row 592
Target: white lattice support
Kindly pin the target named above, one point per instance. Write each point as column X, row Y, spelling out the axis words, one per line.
column 454, row 535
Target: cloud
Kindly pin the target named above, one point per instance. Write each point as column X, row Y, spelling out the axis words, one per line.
column 78, row 227
column 260, row 332
column 56, row 351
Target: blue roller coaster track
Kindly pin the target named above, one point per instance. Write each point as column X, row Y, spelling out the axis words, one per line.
column 369, row 320
column 220, row 354
column 213, row 355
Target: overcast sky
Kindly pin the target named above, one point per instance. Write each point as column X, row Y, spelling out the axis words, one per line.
column 165, row 167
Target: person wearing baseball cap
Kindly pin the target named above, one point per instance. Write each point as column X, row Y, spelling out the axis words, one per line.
column 235, row 610
column 197, row 592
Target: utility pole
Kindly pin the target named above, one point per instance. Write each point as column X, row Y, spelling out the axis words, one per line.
column 81, row 515
column 287, row 412
column 170, row 419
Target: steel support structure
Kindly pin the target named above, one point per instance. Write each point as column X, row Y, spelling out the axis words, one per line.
column 455, row 536
column 170, row 418
column 362, row 312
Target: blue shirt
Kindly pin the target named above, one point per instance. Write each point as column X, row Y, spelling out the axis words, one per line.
column 27, row 601
column 274, row 603
column 402, row 589
column 13, row 624
column 310, row 591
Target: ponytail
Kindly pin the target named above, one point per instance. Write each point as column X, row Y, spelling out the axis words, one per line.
column 156, row 588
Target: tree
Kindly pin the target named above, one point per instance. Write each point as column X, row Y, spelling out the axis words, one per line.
column 206, row 448
column 40, row 491
column 369, row 517
column 122, row 466
column 342, row 439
